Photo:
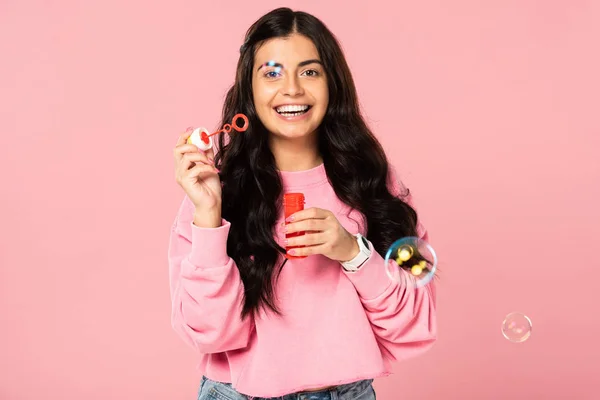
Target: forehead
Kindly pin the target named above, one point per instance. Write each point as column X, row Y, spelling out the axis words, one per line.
column 288, row 51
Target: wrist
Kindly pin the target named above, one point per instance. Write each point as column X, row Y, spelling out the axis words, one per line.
column 353, row 251
column 208, row 218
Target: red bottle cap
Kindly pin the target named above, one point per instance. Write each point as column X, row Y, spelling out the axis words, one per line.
column 204, row 137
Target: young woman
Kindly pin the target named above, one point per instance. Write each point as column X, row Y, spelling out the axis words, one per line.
column 319, row 327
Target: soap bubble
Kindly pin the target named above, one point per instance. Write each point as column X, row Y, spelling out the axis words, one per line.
column 413, row 255
column 516, row 327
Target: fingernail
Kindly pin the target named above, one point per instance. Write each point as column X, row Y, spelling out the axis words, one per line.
column 289, row 219
column 291, row 252
column 286, row 242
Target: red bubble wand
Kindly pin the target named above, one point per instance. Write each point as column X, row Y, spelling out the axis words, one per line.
column 202, row 139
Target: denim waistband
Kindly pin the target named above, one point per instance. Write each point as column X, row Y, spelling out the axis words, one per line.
column 349, row 391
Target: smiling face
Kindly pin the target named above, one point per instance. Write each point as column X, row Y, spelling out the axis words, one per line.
column 289, row 87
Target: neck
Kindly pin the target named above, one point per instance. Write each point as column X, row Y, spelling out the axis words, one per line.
column 298, row 154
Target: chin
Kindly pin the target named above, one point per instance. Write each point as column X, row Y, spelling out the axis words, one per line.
column 290, row 132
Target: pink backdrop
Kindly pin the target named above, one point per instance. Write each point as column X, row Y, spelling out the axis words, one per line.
column 488, row 109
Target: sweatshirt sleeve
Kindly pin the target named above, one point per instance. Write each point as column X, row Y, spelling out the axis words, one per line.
column 402, row 316
column 206, row 288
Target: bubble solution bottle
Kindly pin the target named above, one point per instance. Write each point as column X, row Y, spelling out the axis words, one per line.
column 292, row 203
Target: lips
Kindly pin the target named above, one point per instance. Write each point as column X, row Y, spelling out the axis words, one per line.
column 292, row 110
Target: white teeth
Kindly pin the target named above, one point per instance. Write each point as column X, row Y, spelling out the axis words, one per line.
column 292, row 108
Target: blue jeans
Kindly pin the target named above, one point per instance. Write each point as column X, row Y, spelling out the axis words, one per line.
column 361, row 390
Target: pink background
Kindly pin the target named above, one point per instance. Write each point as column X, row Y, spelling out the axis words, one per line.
column 488, row 108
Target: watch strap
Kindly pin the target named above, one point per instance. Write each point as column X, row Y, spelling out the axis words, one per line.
column 363, row 254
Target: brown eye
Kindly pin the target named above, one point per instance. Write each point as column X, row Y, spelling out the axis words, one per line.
column 312, row 73
column 272, row 74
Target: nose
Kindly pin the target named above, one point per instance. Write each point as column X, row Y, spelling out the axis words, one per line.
column 292, row 86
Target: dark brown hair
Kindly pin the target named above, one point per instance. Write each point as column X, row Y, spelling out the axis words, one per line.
column 355, row 162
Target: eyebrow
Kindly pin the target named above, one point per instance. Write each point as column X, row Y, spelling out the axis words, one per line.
column 300, row 64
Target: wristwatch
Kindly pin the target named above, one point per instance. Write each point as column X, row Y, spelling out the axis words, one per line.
column 363, row 254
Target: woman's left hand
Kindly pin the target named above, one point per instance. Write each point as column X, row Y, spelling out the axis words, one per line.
column 324, row 235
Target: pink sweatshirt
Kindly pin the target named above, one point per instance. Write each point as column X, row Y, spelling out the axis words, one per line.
column 337, row 327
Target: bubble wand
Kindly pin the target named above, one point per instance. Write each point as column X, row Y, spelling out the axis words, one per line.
column 203, row 140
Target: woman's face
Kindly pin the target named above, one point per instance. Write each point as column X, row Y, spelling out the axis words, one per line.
column 289, row 86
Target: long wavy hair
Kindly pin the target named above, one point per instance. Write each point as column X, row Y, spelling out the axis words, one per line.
column 356, row 165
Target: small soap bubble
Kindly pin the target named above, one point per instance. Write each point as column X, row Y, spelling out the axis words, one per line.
column 413, row 255
column 516, row 327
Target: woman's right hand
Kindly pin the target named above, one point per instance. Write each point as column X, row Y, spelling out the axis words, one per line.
column 195, row 172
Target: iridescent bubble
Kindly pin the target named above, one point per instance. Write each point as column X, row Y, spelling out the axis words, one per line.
column 413, row 255
column 516, row 327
